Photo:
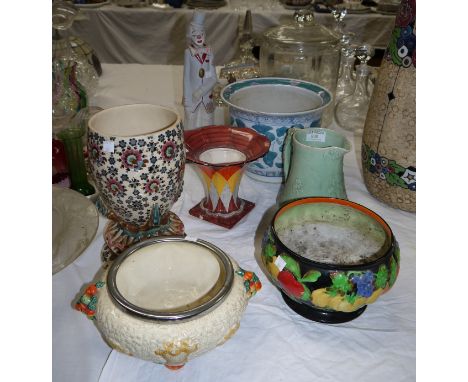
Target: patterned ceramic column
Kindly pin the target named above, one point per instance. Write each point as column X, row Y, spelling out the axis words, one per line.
column 389, row 137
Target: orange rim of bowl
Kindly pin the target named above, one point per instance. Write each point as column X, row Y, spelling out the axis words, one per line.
column 389, row 241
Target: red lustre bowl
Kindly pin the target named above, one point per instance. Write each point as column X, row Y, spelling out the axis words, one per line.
column 219, row 154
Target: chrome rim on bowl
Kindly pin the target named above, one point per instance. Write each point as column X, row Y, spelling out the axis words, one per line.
column 214, row 292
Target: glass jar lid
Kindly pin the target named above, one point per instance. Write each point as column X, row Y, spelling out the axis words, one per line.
column 303, row 31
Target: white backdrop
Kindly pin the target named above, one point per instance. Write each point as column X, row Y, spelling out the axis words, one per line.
column 273, row 343
column 153, row 36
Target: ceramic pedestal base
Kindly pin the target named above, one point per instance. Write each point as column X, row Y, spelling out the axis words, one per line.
column 226, row 220
column 319, row 315
column 107, row 256
column 102, row 208
column 174, row 368
column 118, row 239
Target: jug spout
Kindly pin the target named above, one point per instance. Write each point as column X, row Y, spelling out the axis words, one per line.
column 313, row 164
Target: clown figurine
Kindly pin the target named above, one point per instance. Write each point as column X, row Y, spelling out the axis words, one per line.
column 199, row 77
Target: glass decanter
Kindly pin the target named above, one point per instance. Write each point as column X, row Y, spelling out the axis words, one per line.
column 345, row 44
column 63, row 16
column 69, row 107
column 351, row 111
column 346, row 82
column 346, row 77
column 244, row 66
column 338, row 16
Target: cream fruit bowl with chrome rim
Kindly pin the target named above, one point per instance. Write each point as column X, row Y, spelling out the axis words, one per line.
column 167, row 300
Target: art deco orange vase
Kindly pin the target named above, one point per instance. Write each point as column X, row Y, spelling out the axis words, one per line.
column 219, row 154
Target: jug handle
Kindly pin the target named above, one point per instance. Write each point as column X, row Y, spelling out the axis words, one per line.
column 287, row 151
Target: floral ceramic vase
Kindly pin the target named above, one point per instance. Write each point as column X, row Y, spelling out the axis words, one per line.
column 329, row 257
column 137, row 158
column 389, row 137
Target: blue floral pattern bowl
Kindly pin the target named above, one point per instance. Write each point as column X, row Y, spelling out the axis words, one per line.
column 271, row 106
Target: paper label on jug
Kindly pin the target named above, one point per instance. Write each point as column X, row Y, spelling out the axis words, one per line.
column 316, row 137
column 108, row 146
column 280, row 263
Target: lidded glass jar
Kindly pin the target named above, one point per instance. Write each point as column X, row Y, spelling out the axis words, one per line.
column 304, row 50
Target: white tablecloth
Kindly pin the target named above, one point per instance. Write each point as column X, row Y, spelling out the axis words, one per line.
column 153, row 36
column 273, row 343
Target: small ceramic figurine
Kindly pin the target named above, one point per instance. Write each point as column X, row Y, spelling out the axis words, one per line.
column 199, row 77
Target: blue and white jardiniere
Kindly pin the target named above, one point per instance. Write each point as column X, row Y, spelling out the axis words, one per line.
column 271, row 106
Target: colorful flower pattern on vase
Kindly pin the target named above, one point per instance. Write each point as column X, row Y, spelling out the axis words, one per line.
column 139, row 174
column 132, row 159
column 390, row 128
column 402, row 48
column 388, row 170
column 325, row 288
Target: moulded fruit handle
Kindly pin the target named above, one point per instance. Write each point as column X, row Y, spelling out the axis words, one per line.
column 87, row 302
column 252, row 283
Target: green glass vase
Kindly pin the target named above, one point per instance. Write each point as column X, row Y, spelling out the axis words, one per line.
column 72, row 139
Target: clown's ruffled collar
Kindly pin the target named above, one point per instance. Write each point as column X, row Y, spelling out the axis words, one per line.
column 194, row 50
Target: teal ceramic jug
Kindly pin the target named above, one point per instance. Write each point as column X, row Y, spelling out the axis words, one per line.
column 313, row 164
